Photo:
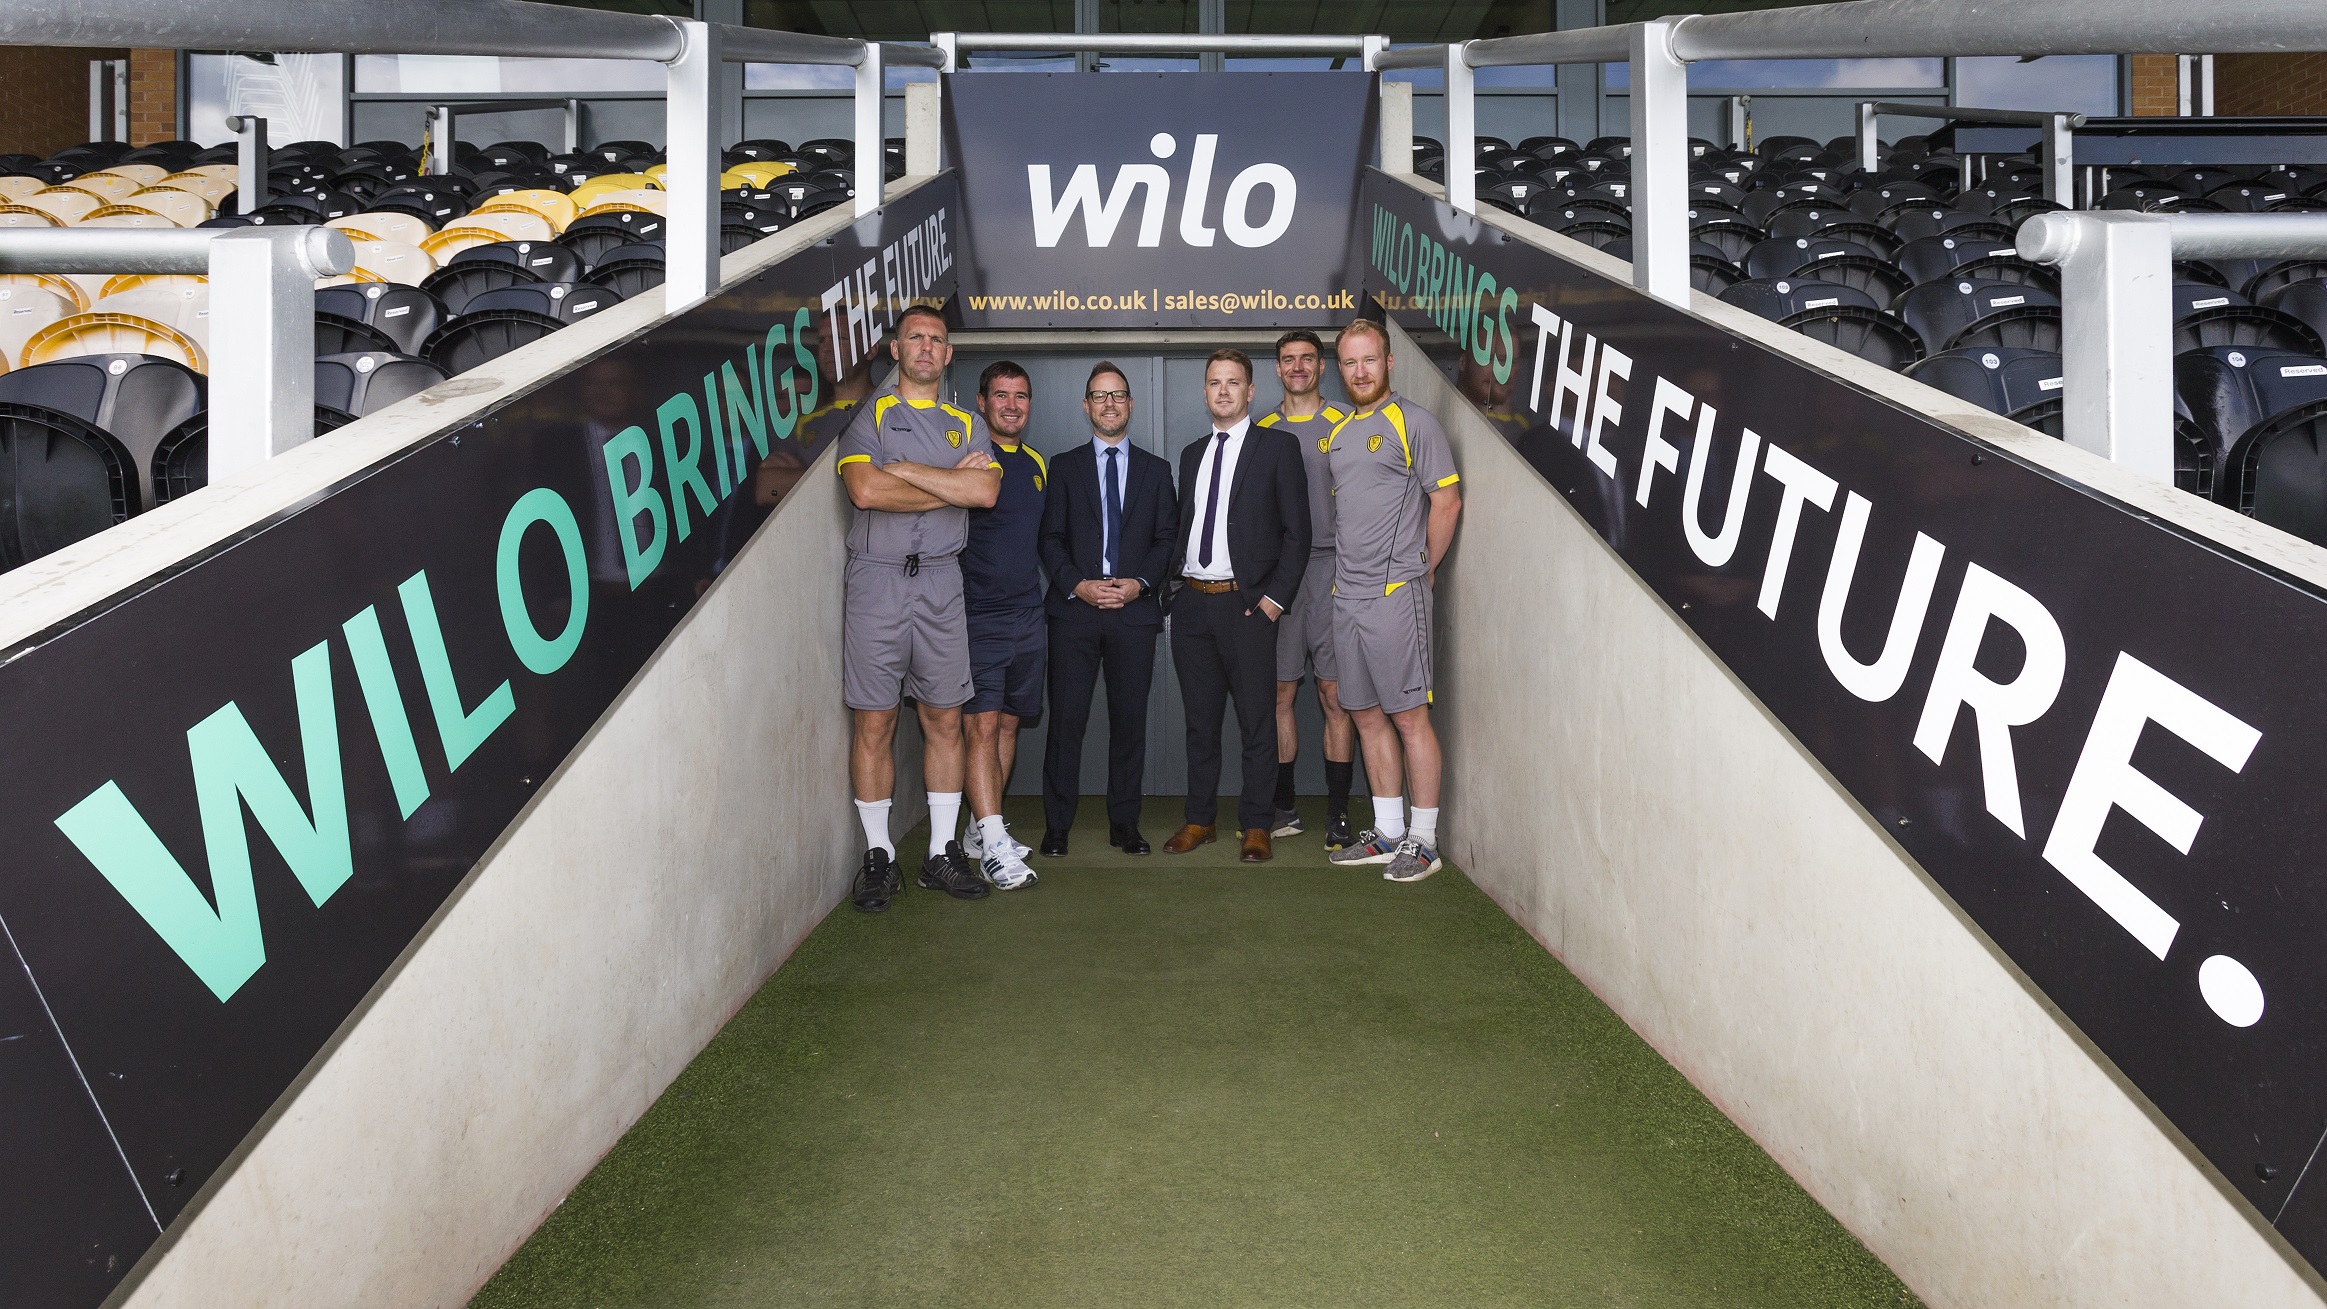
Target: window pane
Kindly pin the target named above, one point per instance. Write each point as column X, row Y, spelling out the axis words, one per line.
column 2082, row 84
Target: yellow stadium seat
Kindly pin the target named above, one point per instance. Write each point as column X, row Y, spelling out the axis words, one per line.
column 186, row 308
column 25, row 310
column 13, row 187
column 113, row 334
column 57, row 284
column 756, row 173
column 582, row 194
column 121, row 282
column 452, row 240
column 511, row 224
column 185, row 208
column 23, row 216
column 128, row 216
column 66, row 205
column 143, row 174
column 407, row 228
column 394, row 261
column 633, row 201
column 110, row 187
column 556, row 206
column 212, row 189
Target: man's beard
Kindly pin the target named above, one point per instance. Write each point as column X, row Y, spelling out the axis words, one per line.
column 1111, row 432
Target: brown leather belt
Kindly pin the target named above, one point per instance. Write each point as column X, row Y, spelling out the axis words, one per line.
column 1212, row 588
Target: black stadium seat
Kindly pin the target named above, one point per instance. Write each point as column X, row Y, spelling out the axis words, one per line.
column 360, row 384
column 1935, row 257
column 547, row 261
column 1779, row 257
column 1780, row 298
column 405, row 315
column 2278, row 473
column 1943, row 310
column 181, row 463
column 485, row 335
column 1999, row 379
column 2230, row 390
column 61, row 480
column 566, row 301
column 2245, row 325
column 134, row 399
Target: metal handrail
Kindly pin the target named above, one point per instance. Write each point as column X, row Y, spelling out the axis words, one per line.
column 263, row 278
column 444, row 116
column 953, row 44
column 262, row 311
column 2098, row 393
column 2058, row 146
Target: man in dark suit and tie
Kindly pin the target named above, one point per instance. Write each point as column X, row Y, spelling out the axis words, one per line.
column 1242, row 547
column 1107, row 523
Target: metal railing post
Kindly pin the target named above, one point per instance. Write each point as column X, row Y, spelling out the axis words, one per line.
column 1372, row 51
column 1462, row 134
column 869, row 87
column 2059, row 158
column 2116, row 294
column 262, row 301
column 949, row 45
column 573, row 126
column 691, row 182
column 250, row 162
column 1869, row 146
column 441, row 126
column 1660, row 165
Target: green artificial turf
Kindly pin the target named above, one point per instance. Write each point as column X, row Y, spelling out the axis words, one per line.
column 1185, row 1081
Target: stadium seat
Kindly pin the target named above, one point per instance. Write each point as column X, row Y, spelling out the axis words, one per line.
column 25, row 310
column 1944, row 310
column 367, row 382
column 61, row 480
column 481, row 336
column 2000, row 379
column 135, row 400
column 405, row 316
column 566, row 301
column 2229, row 391
column 547, row 261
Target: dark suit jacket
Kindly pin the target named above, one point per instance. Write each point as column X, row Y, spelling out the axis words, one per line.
column 1071, row 537
column 1268, row 513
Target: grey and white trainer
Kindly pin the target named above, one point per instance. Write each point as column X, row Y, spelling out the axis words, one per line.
column 1371, row 848
column 1414, row 860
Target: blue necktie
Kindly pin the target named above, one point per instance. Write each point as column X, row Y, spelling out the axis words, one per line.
column 1212, row 500
column 1112, row 529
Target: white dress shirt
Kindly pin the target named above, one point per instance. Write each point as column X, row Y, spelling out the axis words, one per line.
column 1222, row 568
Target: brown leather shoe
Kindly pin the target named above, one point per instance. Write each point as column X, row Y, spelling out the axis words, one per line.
column 1188, row 838
column 1256, row 846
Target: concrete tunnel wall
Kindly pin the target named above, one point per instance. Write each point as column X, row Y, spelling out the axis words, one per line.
column 685, row 848
column 1632, row 805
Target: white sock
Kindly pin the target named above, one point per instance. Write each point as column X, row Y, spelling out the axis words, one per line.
column 991, row 830
column 1426, row 826
column 1390, row 816
column 874, row 814
column 945, row 811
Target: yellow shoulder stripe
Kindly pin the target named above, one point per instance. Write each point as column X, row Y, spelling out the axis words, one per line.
column 1397, row 419
column 1041, row 465
column 1446, row 481
column 881, row 408
column 958, row 414
column 846, row 460
column 1270, row 421
column 1338, row 424
column 1333, row 414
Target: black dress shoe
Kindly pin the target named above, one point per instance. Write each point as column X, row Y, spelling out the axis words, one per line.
column 1126, row 837
column 1054, row 841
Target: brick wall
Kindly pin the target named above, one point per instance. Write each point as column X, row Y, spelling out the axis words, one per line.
column 153, row 96
column 2248, row 85
column 2156, row 86
column 44, row 97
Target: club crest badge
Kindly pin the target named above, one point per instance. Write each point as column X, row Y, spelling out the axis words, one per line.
column 1325, row 445
column 1373, row 443
column 953, row 438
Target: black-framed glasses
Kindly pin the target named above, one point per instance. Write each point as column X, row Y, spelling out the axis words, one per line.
column 1102, row 397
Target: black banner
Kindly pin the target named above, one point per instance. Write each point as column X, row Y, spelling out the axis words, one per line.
column 232, row 798
column 1160, row 200
column 2101, row 736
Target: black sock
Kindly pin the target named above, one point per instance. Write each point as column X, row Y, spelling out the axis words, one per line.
column 1337, row 780
column 1284, row 786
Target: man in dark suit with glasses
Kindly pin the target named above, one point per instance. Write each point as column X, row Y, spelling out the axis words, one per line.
column 1108, row 519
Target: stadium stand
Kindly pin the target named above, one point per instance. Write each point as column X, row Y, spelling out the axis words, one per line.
column 1908, row 268
column 452, row 270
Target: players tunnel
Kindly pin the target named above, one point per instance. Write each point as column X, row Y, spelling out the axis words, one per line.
column 1875, row 804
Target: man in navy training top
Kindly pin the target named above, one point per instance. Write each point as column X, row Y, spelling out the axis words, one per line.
column 1009, row 645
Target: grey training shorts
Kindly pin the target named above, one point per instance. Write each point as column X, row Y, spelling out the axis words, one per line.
column 1305, row 633
column 1382, row 643
column 900, row 630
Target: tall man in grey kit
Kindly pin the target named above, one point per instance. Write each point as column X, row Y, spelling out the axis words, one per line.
column 914, row 469
column 1395, row 503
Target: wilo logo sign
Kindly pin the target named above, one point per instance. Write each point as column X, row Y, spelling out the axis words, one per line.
column 1163, row 200
column 1100, row 218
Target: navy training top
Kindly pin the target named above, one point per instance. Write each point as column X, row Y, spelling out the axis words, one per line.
column 1000, row 570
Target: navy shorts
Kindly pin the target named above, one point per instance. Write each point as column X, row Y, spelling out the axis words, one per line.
column 1009, row 658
